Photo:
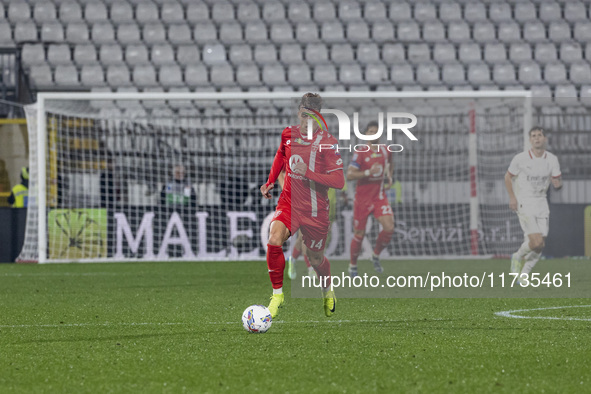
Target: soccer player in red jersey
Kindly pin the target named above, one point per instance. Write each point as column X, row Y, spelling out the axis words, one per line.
column 370, row 169
column 312, row 167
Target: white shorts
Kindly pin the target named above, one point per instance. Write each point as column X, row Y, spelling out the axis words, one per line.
column 534, row 224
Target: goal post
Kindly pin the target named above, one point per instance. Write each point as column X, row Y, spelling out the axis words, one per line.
column 103, row 163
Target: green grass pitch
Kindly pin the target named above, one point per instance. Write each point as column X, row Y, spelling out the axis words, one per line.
column 175, row 327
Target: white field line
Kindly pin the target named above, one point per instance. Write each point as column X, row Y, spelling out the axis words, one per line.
column 10, row 274
column 512, row 313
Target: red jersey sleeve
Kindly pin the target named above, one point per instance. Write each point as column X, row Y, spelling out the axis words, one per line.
column 279, row 160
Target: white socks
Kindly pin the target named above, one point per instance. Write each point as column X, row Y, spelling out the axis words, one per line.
column 523, row 249
column 530, row 261
column 278, row 291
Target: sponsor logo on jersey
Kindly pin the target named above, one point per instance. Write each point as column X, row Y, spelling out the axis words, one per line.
column 295, row 159
column 302, row 142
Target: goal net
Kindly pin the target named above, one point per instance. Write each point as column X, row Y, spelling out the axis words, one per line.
column 146, row 176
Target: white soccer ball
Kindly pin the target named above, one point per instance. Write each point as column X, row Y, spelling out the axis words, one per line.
column 257, row 319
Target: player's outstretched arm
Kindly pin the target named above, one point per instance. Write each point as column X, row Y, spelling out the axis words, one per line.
column 509, row 187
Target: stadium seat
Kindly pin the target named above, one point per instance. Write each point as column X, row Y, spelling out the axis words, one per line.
column 418, row 53
column 110, row 54
column 52, row 32
column 478, row 74
column 59, row 54
column 376, row 73
column 136, row 54
column 5, row 34
column 273, row 74
column 222, row 11
column 580, row 73
column 214, row 54
column 44, row 11
column 121, row 12
column 307, row 32
column 499, row 12
column 400, row 12
column 550, row 11
column 349, row 11
column 555, row 73
column 103, row 33
column 118, row 75
column 408, row 32
column 474, row 12
column 401, row 74
column 332, row 32
column 530, row 73
column 291, row 53
column 434, row 31
column 92, row 75
column 357, row 32
column 495, row 53
column 351, row 74
column 77, row 33
column 197, row 12
column 368, row 54
column 375, row 12
column 444, row 53
column 196, row 75
column 230, row 32
column 33, row 54
column 70, row 11
column 158, row 105
column 470, row 53
column 222, row 75
column 144, row 76
column 18, row 11
column 298, row 11
column 484, row 32
column 172, row 12
column 509, row 32
column 281, row 33
column 453, row 74
column 273, row 11
column 146, row 12
column 585, row 95
column 571, row 52
column 428, row 74
column 299, row 74
column 95, row 12
column 565, row 95
column 128, row 33
column 324, row 11
column 504, row 74
column 248, row 11
column 180, row 34
column 341, row 53
column 265, row 53
column 559, row 31
column 316, row 54
column 66, row 76
column 542, row 95
column 255, row 32
column 458, row 32
column 545, row 53
column 393, row 53
column 534, row 32
column 85, row 54
column 325, row 75
column 424, row 12
column 25, row 31
column 154, row 33
column 382, row 32
column 575, row 11
column 188, row 54
column 239, row 54
column 519, row 52
column 41, row 76
column 582, row 31
column 248, row 75
column 524, row 12
column 450, row 12
column 205, row 33
column 170, row 75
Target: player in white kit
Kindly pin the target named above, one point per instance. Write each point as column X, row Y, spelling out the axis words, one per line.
column 527, row 180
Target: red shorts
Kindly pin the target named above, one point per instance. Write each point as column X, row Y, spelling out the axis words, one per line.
column 363, row 209
column 314, row 229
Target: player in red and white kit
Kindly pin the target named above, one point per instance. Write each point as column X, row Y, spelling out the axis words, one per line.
column 312, row 167
column 371, row 169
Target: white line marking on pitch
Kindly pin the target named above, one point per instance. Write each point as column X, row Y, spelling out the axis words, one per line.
column 61, row 274
column 511, row 314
